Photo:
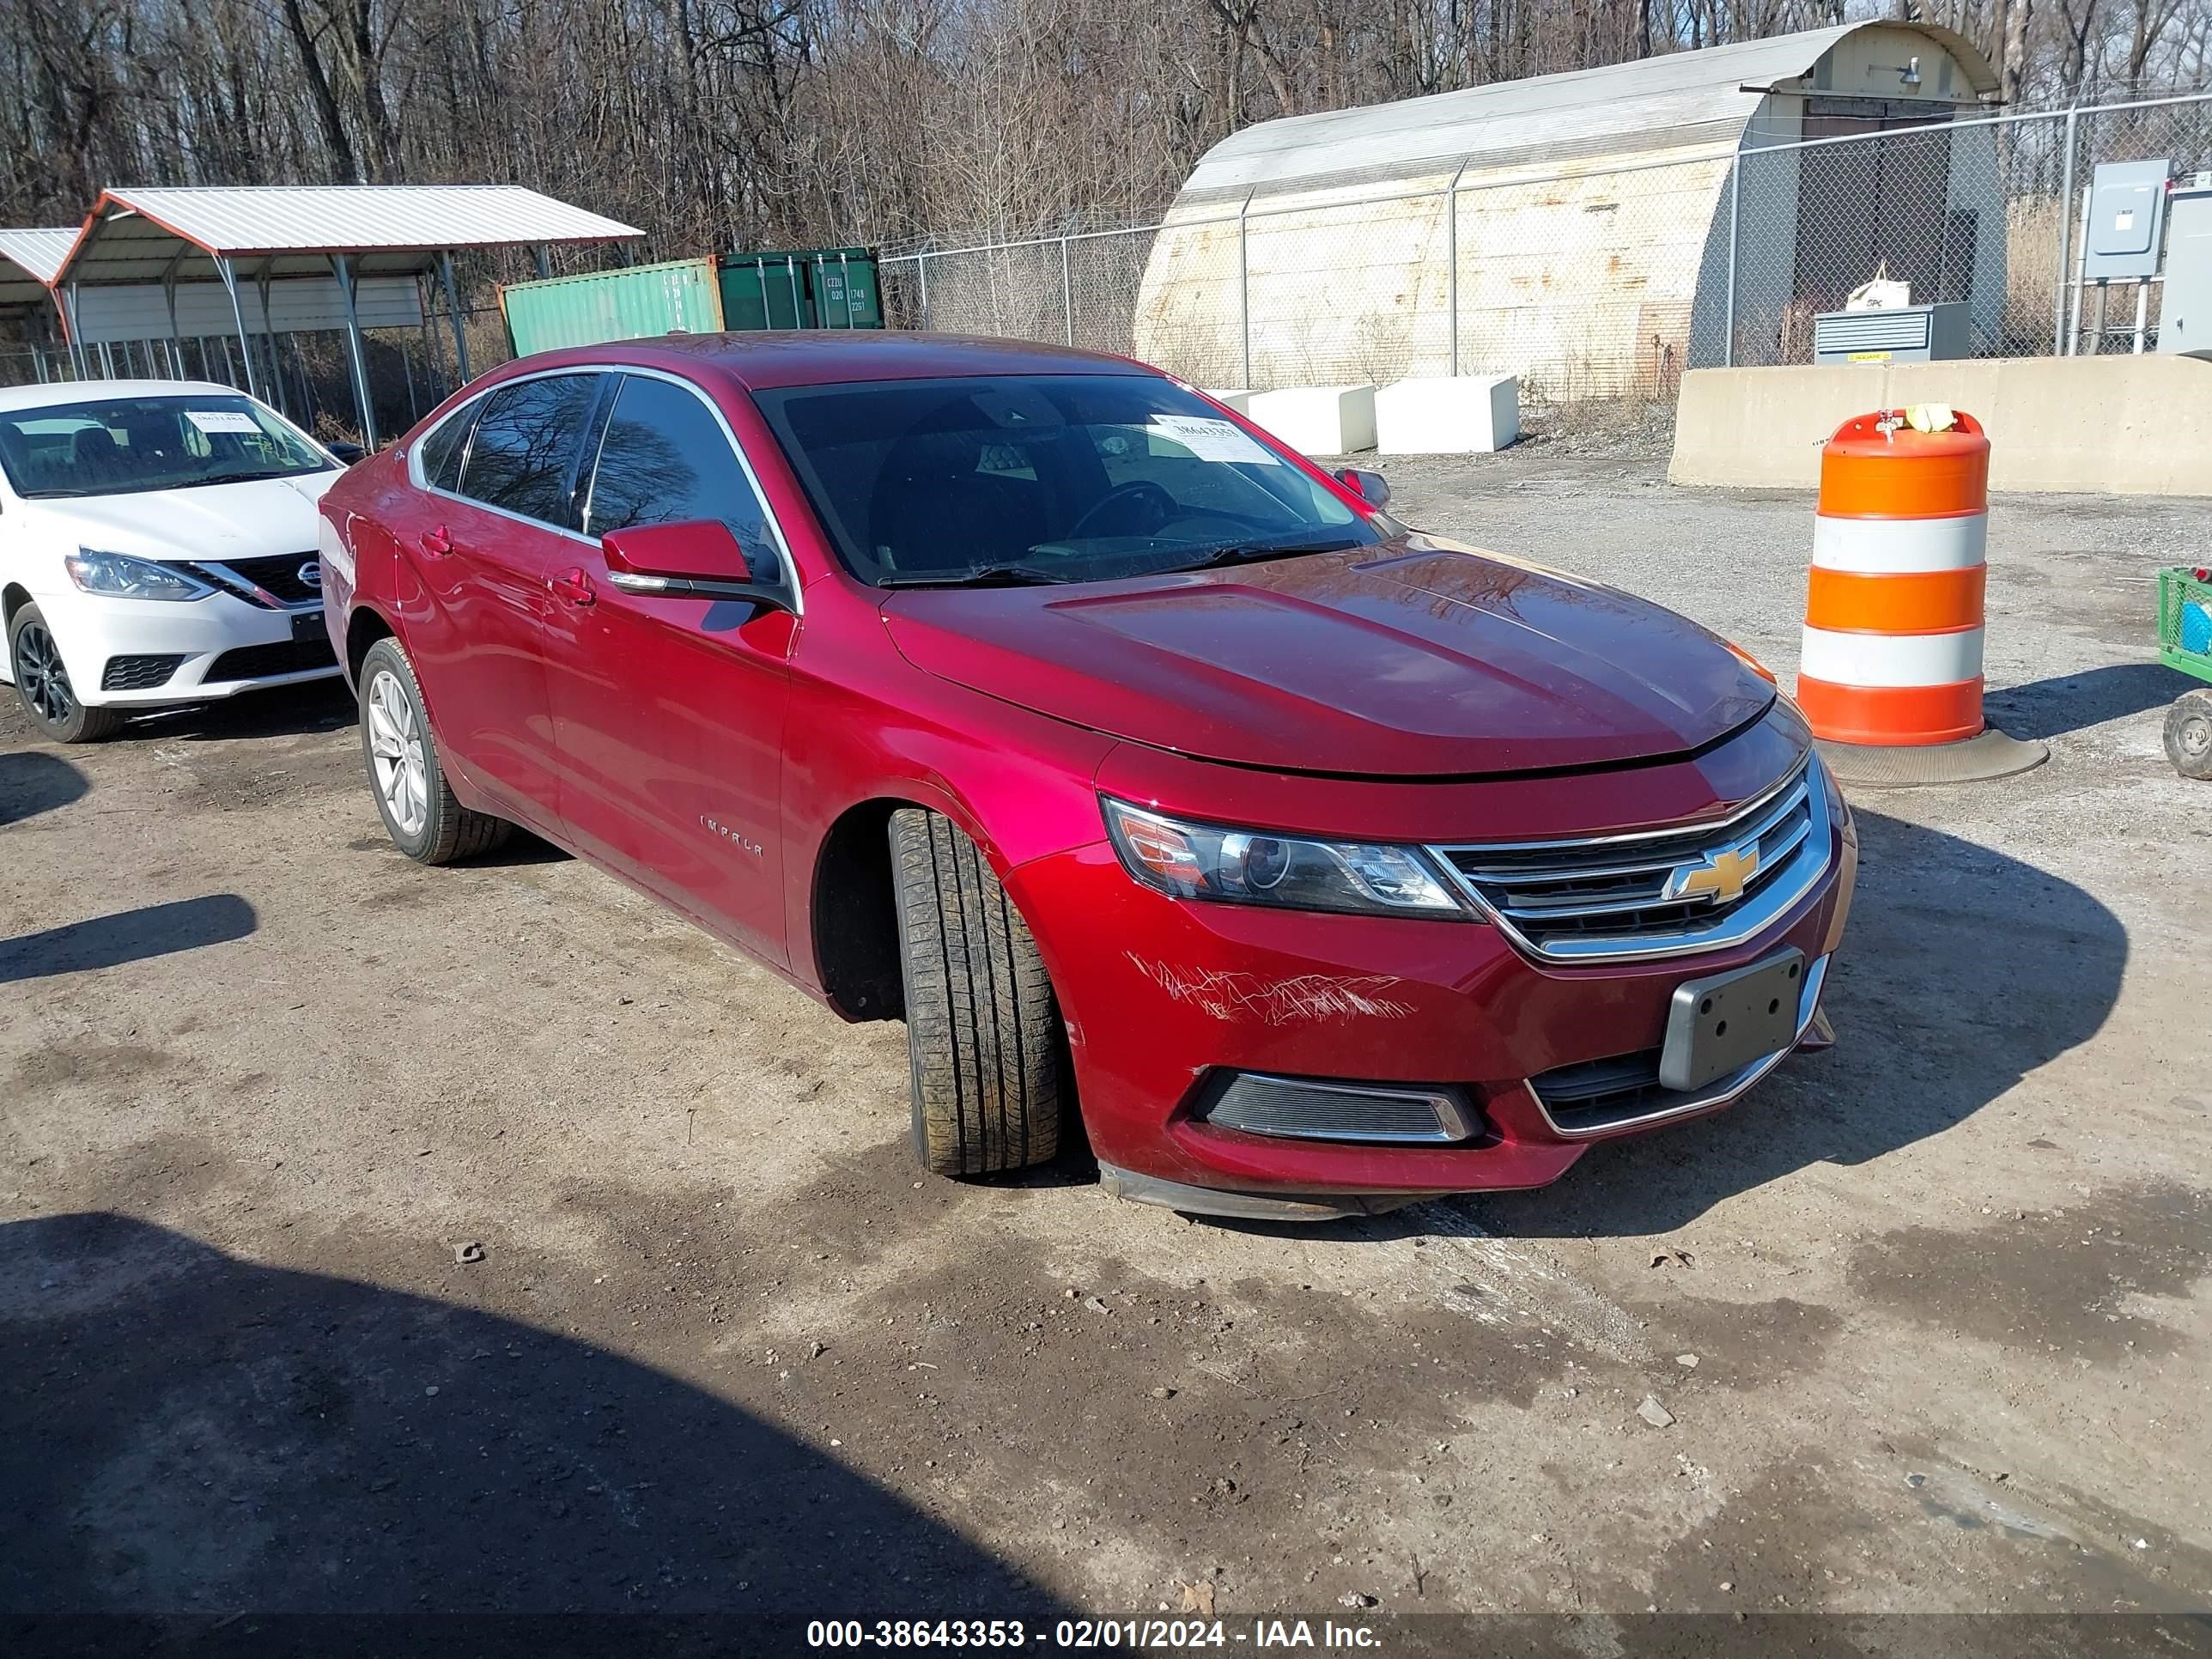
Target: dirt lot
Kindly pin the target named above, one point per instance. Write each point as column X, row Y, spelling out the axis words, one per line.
column 1928, row 1312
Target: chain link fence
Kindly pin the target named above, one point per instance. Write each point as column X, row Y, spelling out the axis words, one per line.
column 1600, row 282
column 305, row 374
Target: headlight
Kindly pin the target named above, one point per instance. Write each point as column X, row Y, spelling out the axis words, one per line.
column 116, row 577
column 1252, row 866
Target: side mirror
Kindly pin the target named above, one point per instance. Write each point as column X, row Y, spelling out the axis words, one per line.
column 698, row 558
column 347, row 452
column 1370, row 487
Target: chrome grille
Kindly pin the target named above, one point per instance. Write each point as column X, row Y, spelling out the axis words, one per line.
column 272, row 584
column 1651, row 893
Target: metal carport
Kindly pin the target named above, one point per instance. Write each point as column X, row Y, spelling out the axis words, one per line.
column 29, row 256
column 252, row 238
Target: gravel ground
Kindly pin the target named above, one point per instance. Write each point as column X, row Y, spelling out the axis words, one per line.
column 1926, row 1315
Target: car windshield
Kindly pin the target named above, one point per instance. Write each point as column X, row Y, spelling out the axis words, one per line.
column 1048, row 478
column 122, row 445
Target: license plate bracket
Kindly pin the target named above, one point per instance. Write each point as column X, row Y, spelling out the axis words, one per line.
column 1720, row 1023
column 307, row 626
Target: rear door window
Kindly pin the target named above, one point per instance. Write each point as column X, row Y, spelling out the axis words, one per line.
column 666, row 459
column 527, row 442
column 442, row 451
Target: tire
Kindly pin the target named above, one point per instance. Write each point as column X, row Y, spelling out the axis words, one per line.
column 420, row 812
column 982, row 1027
column 42, row 684
column 2189, row 734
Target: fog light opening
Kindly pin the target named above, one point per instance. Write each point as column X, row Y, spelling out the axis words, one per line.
column 1304, row 1109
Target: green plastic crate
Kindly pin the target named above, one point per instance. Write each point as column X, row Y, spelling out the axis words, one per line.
column 2178, row 590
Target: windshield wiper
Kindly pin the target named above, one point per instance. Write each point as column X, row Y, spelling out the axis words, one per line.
column 989, row 575
column 1250, row 552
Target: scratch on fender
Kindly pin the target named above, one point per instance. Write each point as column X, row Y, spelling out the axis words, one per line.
column 1230, row 994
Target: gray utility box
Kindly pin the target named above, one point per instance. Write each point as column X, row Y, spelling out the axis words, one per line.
column 2184, row 310
column 1909, row 334
column 2127, row 209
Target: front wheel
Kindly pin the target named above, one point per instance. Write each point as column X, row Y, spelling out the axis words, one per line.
column 43, row 685
column 982, row 1027
column 417, row 804
column 2189, row 734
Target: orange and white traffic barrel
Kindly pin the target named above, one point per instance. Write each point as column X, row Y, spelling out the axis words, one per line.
column 1893, row 624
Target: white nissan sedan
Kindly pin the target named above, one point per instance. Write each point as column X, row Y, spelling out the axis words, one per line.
column 157, row 546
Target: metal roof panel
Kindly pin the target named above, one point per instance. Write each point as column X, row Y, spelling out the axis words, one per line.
column 1682, row 100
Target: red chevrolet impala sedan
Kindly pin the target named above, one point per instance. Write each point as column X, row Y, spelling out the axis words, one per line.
column 1141, row 766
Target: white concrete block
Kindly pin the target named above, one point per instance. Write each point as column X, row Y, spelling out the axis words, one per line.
column 1472, row 414
column 1239, row 400
column 1318, row 420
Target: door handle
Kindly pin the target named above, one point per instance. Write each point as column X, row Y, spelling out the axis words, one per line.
column 575, row 586
column 436, row 541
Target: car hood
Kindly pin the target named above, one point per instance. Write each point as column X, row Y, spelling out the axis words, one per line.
column 256, row 519
column 1417, row 658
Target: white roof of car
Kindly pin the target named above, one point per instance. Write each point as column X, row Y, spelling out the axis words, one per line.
column 80, row 391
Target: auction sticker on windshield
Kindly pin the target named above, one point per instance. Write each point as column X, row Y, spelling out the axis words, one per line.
column 1211, row 440
column 224, row 420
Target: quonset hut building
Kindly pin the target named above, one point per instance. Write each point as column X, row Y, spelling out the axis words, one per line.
column 1580, row 229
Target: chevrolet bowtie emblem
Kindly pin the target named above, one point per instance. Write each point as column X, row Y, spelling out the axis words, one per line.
column 1719, row 877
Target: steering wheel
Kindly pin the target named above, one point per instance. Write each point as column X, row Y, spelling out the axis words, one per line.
column 1160, row 507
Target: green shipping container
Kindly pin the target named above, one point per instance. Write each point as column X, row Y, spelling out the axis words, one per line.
column 813, row 287
column 635, row 304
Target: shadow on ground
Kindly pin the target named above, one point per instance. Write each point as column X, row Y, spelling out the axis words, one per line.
column 2070, row 703
column 109, row 941
column 283, row 711
column 1962, row 971
column 183, row 1432
column 33, row 781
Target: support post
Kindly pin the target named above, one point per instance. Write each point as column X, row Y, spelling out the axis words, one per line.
column 453, row 310
column 2142, row 311
column 1735, row 224
column 1451, row 260
column 922, row 271
column 2080, row 262
column 544, row 263
column 845, row 275
column 1067, row 295
column 76, row 331
column 2061, row 344
column 229, row 275
column 1244, row 285
column 356, row 353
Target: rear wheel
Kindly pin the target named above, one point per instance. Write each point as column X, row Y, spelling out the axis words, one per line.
column 418, row 807
column 982, row 1026
column 2189, row 734
column 43, row 685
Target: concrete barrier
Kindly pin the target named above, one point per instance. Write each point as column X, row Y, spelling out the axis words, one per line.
column 1239, row 399
column 1318, row 420
column 1468, row 415
column 2132, row 426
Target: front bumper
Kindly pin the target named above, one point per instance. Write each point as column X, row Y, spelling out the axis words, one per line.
column 1184, row 992
column 147, row 653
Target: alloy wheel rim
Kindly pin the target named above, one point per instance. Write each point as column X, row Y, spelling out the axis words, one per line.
column 39, row 672
column 395, row 754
